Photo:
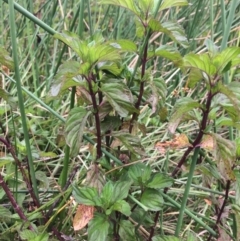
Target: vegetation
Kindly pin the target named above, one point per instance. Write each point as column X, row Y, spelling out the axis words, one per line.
column 120, row 120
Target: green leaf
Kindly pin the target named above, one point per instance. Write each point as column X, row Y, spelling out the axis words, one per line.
column 74, row 42
column 86, row 195
column 176, row 33
column 42, row 237
column 201, row 62
column 232, row 92
column 228, row 58
column 67, row 76
column 128, row 4
column 156, row 97
column 211, row 47
column 5, row 59
column 127, row 231
column 5, row 160
column 119, row 97
column 98, row 228
column 140, row 173
column 182, row 106
column 159, row 180
column 152, row 199
column 102, row 52
column 165, row 238
column 225, row 155
column 124, row 45
column 131, row 142
column 28, row 234
column 120, row 190
column 111, row 123
column 8, row 98
column 123, row 207
column 110, row 68
column 156, row 26
column 5, row 214
column 90, row 53
column 41, row 176
column 194, row 76
column 74, row 128
column 107, row 195
column 173, row 3
column 170, row 53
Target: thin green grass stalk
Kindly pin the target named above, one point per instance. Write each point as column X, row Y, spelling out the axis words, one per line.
column 64, row 173
column 20, row 96
column 89, row 18
column 211, row 20
column 189, row 213
column 81, row 17
column 233, row 5
column 30, row 16
column 186, row 193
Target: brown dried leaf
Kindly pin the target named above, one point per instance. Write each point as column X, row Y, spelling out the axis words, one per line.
column 208, row 143
column 95, row 178
column 82, row 217
column 180, row 141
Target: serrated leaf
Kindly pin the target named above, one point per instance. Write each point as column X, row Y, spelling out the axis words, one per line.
column 139, row 173
column 98, row 228
column 228, row 57
column 225, row 155
column 232, row 92
column 123, row 207
column 131, row 142
column 182, row 106
column 86, row 195
column 128, row 4
column 124, row 45
column 170, row 53
column 159, row 180
column 152, row 199
column 156, row 97
column 156, row 26
column 90, row 53
column 42, row 237
column 176, row 33
column 194, row 76
column 5, row 214
column 119, row 97
column 120, row 190
column 66, row 77
column 201, row 62
column 107, row 194
column 127, row 231
column 111, row 123
column 27, row 234
column 173, row 3
column 73, row 41
column 5, row 59
column 110, row 68
column 74, row 128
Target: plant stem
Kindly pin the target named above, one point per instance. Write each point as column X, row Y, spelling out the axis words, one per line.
column 96, row 115
column 20, row 96
column 13, row 201
column 186, row 193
